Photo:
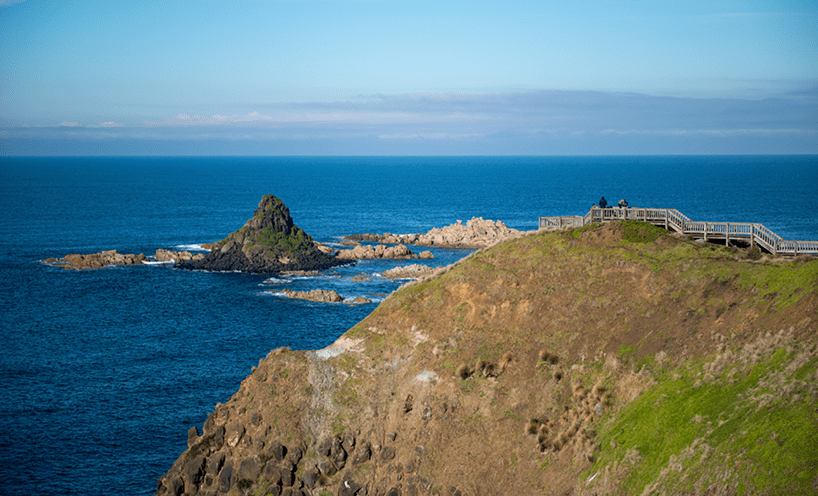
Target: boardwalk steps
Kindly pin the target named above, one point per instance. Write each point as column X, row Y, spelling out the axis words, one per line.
column 672, row 219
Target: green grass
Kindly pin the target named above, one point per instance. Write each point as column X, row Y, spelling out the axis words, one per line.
column 688, row 432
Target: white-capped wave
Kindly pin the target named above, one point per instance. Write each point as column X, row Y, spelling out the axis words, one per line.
column 274, row 293
column 193, row 247
column 155, row 262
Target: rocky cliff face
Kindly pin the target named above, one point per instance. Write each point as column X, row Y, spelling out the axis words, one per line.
column 267, row 243
column 612, row 359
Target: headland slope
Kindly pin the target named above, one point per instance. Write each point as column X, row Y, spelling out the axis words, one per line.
column 609, row 359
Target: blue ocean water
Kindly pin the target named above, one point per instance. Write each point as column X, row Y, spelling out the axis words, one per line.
column 102, row 372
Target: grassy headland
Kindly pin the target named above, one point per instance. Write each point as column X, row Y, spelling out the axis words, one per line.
column 612, row 359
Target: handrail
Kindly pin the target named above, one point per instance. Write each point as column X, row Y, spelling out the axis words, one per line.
column 672, row 219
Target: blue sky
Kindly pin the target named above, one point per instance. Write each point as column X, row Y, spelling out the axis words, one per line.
column 407, row 77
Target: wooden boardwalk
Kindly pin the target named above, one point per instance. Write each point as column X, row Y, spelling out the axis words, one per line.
column 672, row 219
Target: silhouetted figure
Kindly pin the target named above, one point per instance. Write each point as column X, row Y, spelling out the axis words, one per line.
column 603, row 203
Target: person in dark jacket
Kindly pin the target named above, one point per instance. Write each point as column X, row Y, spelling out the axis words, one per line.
column 603, row 203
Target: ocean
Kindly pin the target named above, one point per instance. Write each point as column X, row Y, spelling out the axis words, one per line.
column 103, row 372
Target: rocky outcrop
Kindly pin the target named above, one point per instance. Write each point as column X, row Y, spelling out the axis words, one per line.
column 268, row 243
column 413, row 271
column 322, row 296
column 176, row 256
column 112, row 257
column 96, row 260
column 477, row 233
column 365, row 252
column 319, row 295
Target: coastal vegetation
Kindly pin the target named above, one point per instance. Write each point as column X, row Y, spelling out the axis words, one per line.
column 609, row 359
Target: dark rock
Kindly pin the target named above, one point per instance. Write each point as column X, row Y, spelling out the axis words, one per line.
column 193, row 474
column 218, row 436
column 215, row 463
column 278, row 450
column 255, row 419
column 210, row 424
column 348, row 487
column 249, row 469
column 387, row 454
column 176, row 487
column 362, row 455
column 192, row 436
column 325, row 447
column 349, row 442
column 268, row 243
column 337, row 454
column 311, row 477
column 394, row 491
column 226, row 476
column 295, row 455
column 272, row 473
column 259, row 441
column 287, row 474
column 326, row 467
column 427, row 414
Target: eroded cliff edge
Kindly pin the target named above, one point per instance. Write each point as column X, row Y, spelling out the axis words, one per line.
column 610, row 359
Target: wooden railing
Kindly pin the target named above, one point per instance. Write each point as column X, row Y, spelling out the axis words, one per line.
column 672, row 219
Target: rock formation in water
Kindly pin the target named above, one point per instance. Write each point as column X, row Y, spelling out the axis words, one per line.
column 365, row 252
column 322, row 296
column 268, row 243
column 112, row 257
column 477, row 233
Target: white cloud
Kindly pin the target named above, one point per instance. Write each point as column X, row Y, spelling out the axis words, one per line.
column 107, row 124
column 69, row 124
column 212, row 120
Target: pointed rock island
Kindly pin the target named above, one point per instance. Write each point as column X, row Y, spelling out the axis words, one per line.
column 268, row 243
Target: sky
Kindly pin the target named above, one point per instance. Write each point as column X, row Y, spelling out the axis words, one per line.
column 408, row 77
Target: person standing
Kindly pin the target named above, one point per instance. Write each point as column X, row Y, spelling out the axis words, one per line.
column 603, row 203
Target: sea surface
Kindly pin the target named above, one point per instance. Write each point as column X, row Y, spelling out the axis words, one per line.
column 103, row 372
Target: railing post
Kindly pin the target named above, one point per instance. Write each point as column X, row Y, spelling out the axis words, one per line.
column 727, row 235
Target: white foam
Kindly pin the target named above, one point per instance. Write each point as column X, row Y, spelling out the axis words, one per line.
column 154, row 262
column 193, row 247
column 274, row 293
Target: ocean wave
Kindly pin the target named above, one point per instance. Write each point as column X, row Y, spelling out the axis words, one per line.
column 193, row 247
column 155, row 262
column 274, row 293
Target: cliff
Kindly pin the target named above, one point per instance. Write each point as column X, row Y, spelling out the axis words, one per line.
column 268, row 243
column 612, row 359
